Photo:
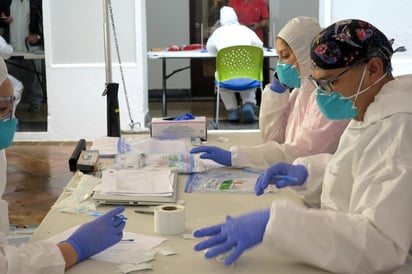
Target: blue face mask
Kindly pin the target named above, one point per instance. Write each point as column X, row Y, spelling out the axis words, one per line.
column 288, row 75
column 335, row 106
column 7, row 130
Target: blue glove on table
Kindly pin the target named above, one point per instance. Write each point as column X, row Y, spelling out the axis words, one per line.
column 216, row 154
column 98, row 235
column 238, row 233
column 276, row 86
column 281, row 175
column 187, row 116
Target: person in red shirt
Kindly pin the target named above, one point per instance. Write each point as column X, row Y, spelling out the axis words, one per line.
column 252, row 13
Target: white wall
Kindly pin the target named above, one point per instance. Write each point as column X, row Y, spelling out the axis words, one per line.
column 282, row 11
column 392, row 18
column 168, row 24
column 75, row 67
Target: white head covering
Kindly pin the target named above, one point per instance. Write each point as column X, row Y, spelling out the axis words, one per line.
column 4, row 220
column 6, row 50
column 299, row 33
column 228, row 16
column 3, row 71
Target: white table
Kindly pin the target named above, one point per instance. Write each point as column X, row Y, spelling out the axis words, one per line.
column 30, row 56
column 186, row 54
column 202, row 209
column 35, row 55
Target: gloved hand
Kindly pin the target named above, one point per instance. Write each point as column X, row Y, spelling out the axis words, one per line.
column 276, row 86
column 238, row 233
column 216, row 154
column 296, row 175
column 98, row 235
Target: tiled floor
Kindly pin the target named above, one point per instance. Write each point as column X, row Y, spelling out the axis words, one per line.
column 37, row 174
column 38, row 171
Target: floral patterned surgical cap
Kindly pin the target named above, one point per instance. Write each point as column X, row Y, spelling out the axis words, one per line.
column 346, row 42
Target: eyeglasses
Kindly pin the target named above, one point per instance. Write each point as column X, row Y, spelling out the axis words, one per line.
column 7, row 107
column 327, row 85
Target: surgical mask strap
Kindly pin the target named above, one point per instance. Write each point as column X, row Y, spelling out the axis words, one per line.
column 366, row 89
column 6, row 118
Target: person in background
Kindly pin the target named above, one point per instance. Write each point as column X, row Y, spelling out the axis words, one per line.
column 231, row 33
column 290, row 121
column 44, row 256
column 6, row 51
column 4, row 13
column 252, row 13
column 214, row 16
column 361, row 220
column 25, row 25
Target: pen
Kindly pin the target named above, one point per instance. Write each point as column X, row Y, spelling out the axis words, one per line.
column 127, row 240
column 278, row 177
column 98, row 214
column 121, row 217
column 285, row 177
column 144, row 212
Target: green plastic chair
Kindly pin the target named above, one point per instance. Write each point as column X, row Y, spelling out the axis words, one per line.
column 238, row 68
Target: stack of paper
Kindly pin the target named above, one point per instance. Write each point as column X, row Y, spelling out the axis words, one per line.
column 141, row 182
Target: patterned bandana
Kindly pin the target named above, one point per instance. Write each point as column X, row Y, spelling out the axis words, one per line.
column 346, row 42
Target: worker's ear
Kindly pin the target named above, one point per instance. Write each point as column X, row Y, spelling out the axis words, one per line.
column 375, row 69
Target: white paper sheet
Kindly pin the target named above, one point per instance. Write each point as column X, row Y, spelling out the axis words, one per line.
column 123, row 252
column 142, row 182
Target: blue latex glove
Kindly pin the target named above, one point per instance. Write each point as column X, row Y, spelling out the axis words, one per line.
column 216, row 154
column 238, row 233
column 299, row 173
column 276, row 86
column 187, row 116
column 98, row 235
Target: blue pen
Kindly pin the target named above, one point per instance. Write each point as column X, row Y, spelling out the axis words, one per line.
column 278, row 177
column 95, row 214
column 98, row 214
column 121, row 217
column 285, row 177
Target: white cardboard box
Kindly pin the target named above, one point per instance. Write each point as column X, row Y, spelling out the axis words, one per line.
column 167, row 127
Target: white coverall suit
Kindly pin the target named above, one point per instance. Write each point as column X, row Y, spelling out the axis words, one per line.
column 291, row 124
column 365, row 194
column 231, row 33
column 41, row 257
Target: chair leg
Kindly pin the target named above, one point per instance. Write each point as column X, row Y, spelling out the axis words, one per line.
column 217, row 100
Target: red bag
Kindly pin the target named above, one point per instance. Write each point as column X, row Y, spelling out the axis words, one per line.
column 173, row 48
column 193, row 47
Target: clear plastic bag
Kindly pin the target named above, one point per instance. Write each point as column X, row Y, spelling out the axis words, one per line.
column 178, row 162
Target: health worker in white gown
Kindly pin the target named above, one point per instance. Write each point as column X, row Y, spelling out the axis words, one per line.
column 358, row 202
column 44, row 257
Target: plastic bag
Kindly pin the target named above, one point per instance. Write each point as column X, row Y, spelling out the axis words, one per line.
column 178, row 162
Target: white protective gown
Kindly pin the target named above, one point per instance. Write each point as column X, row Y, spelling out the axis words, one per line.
column 6, row 51
column 291, row 124
column 365, row 221
column 41, row 257
column 231, row 33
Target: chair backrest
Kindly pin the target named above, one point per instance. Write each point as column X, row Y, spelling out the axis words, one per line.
column 239, row 62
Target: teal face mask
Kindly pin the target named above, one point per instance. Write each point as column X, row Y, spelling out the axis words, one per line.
column 335, row 106
column 7, row 130
column 288, row 75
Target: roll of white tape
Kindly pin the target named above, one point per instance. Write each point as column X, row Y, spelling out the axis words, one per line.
column 169, row 219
